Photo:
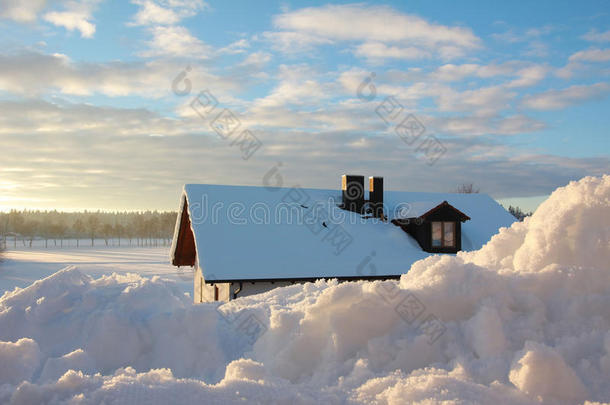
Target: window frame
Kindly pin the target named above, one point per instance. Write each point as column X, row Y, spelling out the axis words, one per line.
column 443, row 244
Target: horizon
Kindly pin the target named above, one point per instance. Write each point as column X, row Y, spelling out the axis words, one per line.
column 115, row 106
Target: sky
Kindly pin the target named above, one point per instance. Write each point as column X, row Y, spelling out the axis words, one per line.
column 115, row 105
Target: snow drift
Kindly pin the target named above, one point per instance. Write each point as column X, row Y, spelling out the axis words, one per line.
column 526, row 319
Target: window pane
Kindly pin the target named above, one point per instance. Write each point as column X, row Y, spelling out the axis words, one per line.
column 436, row 234
column 449, row 234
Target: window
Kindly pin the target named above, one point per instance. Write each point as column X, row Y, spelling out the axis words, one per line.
column 437, row 234
column 443, row 234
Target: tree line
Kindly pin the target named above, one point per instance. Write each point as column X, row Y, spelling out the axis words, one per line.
column 146, row 228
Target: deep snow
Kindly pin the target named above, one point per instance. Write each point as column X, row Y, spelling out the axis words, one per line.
column 526, row 319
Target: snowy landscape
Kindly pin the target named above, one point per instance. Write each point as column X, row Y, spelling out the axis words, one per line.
column 526, row 318
column 292, row 202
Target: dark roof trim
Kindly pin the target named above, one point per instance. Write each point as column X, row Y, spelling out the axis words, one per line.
column 304, row 280
column 463, row 216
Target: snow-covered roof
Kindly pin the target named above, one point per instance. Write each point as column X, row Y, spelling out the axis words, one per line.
column 261, row 233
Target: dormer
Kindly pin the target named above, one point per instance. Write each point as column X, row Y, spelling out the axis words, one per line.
column 436, row 227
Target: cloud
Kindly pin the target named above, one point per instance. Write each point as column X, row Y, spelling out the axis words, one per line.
column 483, row 101
column 23, row 11
column 478, row 125
column 557, row 99
column 513, row 35
column 293, row 42
column 36, row 74
column 72, row 21
column 374, row 23
column 296, row 86
column 256, row 59
column 382, row 31
column 84, row 154
column 452, row 73
column 236, row 47
column 595, row 36
column 177, row 42
column 166, row 12
column 73, row 15
column 591, row 55
column 76, row 15
column 378, row 51
column 529, row 76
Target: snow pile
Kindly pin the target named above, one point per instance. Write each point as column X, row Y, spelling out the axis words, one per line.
column 524, row 320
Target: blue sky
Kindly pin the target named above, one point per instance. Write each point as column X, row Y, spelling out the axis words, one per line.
column 514, row 97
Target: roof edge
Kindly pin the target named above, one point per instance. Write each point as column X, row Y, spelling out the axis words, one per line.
column 305, row 279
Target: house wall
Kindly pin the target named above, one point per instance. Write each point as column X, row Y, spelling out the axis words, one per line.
column 248, row 288
column 204, row 292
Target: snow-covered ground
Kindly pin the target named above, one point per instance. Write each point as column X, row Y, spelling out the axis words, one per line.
column 524, row 320
column 22, row 266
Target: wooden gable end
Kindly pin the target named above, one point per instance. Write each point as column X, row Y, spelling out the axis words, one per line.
column 184, row 254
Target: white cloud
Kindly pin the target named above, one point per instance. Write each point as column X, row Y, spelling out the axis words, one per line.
column 483, row 101
column 256, row 59
column 595, row 36
column 73, row 15
column 76, row 15
column 451, row 72
column 22, row 11
column 236, row 47
column 86, row 138
column 71, row 21
column 378, row 51
column 512, row 35
column 35, row 74
column 290, row 41
column 166, row 12
column 557, row 99
column 373, row 23
column 296, row 86
column 591, row 55
column 175, row 41
column 476, row 125
column 381, row 30
column 529, row 76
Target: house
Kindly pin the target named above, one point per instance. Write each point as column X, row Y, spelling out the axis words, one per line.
column 245, row 240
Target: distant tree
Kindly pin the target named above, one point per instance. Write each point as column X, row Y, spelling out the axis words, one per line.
column 29, row 230
column 93, row 224
column 168, row 222
column 518, row 212
column 60, row 229
column 119, row 230
column 15, row 220
column 79, row 228
column 45, row 229
column 137, row 224
column 107, row 232
column 466, row 188
column 130, row 232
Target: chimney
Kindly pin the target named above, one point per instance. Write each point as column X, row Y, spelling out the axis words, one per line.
column 376, row 195
column 352, row 187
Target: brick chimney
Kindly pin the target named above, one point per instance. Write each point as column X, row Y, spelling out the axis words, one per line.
column 376, row 195
column 352, row 187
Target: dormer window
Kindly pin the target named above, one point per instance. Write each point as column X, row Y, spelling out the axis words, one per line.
column 443, row 234
column 436, row 227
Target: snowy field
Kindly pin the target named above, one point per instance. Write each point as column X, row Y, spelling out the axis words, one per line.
column 22, row 266
column 524, row 320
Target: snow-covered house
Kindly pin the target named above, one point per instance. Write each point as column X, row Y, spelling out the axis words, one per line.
column 245, row 240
